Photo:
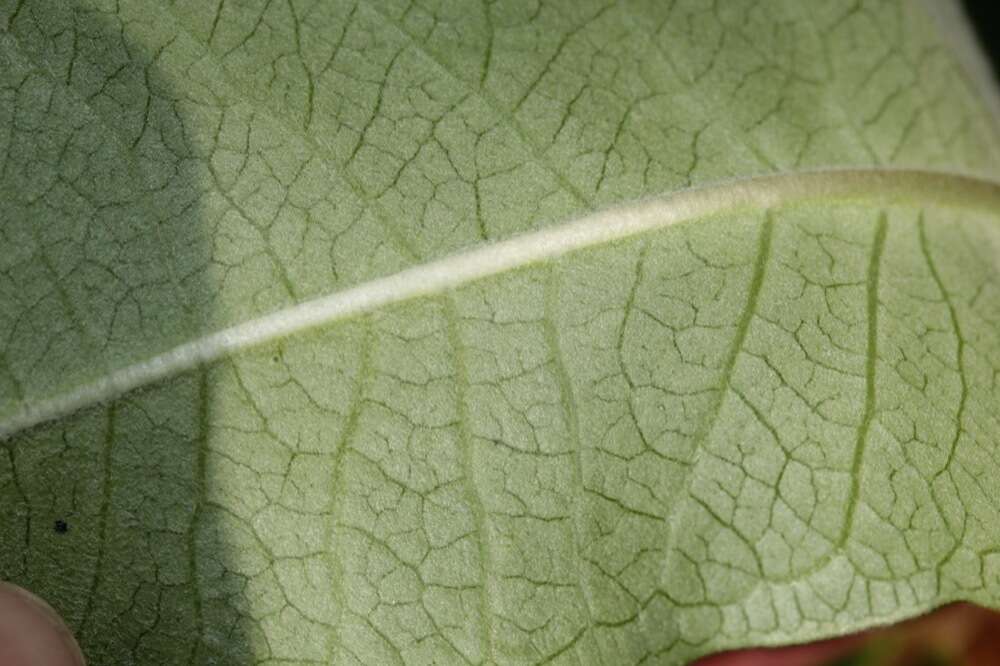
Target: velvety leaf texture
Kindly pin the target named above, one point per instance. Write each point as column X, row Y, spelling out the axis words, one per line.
column 315, row 349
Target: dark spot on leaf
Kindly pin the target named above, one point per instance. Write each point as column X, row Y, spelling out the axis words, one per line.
column 61, row 527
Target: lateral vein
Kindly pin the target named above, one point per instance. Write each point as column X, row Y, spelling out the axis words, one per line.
column 871, row 366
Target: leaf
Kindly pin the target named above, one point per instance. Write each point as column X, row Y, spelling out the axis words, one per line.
column 314, row 342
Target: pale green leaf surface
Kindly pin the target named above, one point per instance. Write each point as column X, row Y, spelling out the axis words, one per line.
column 774, row 422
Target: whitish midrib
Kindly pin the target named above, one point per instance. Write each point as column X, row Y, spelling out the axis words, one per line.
column 867, row 186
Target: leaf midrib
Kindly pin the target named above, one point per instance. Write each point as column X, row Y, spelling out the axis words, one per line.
column 873, row 186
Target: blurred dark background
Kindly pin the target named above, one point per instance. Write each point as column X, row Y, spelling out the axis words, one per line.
column 985, row 16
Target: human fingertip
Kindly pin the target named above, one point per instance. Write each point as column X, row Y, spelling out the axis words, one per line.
column 32, row 633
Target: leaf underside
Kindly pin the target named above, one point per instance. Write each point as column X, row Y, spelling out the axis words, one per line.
column 757, row 427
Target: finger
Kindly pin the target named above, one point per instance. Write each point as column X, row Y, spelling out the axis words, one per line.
column 32, row 633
